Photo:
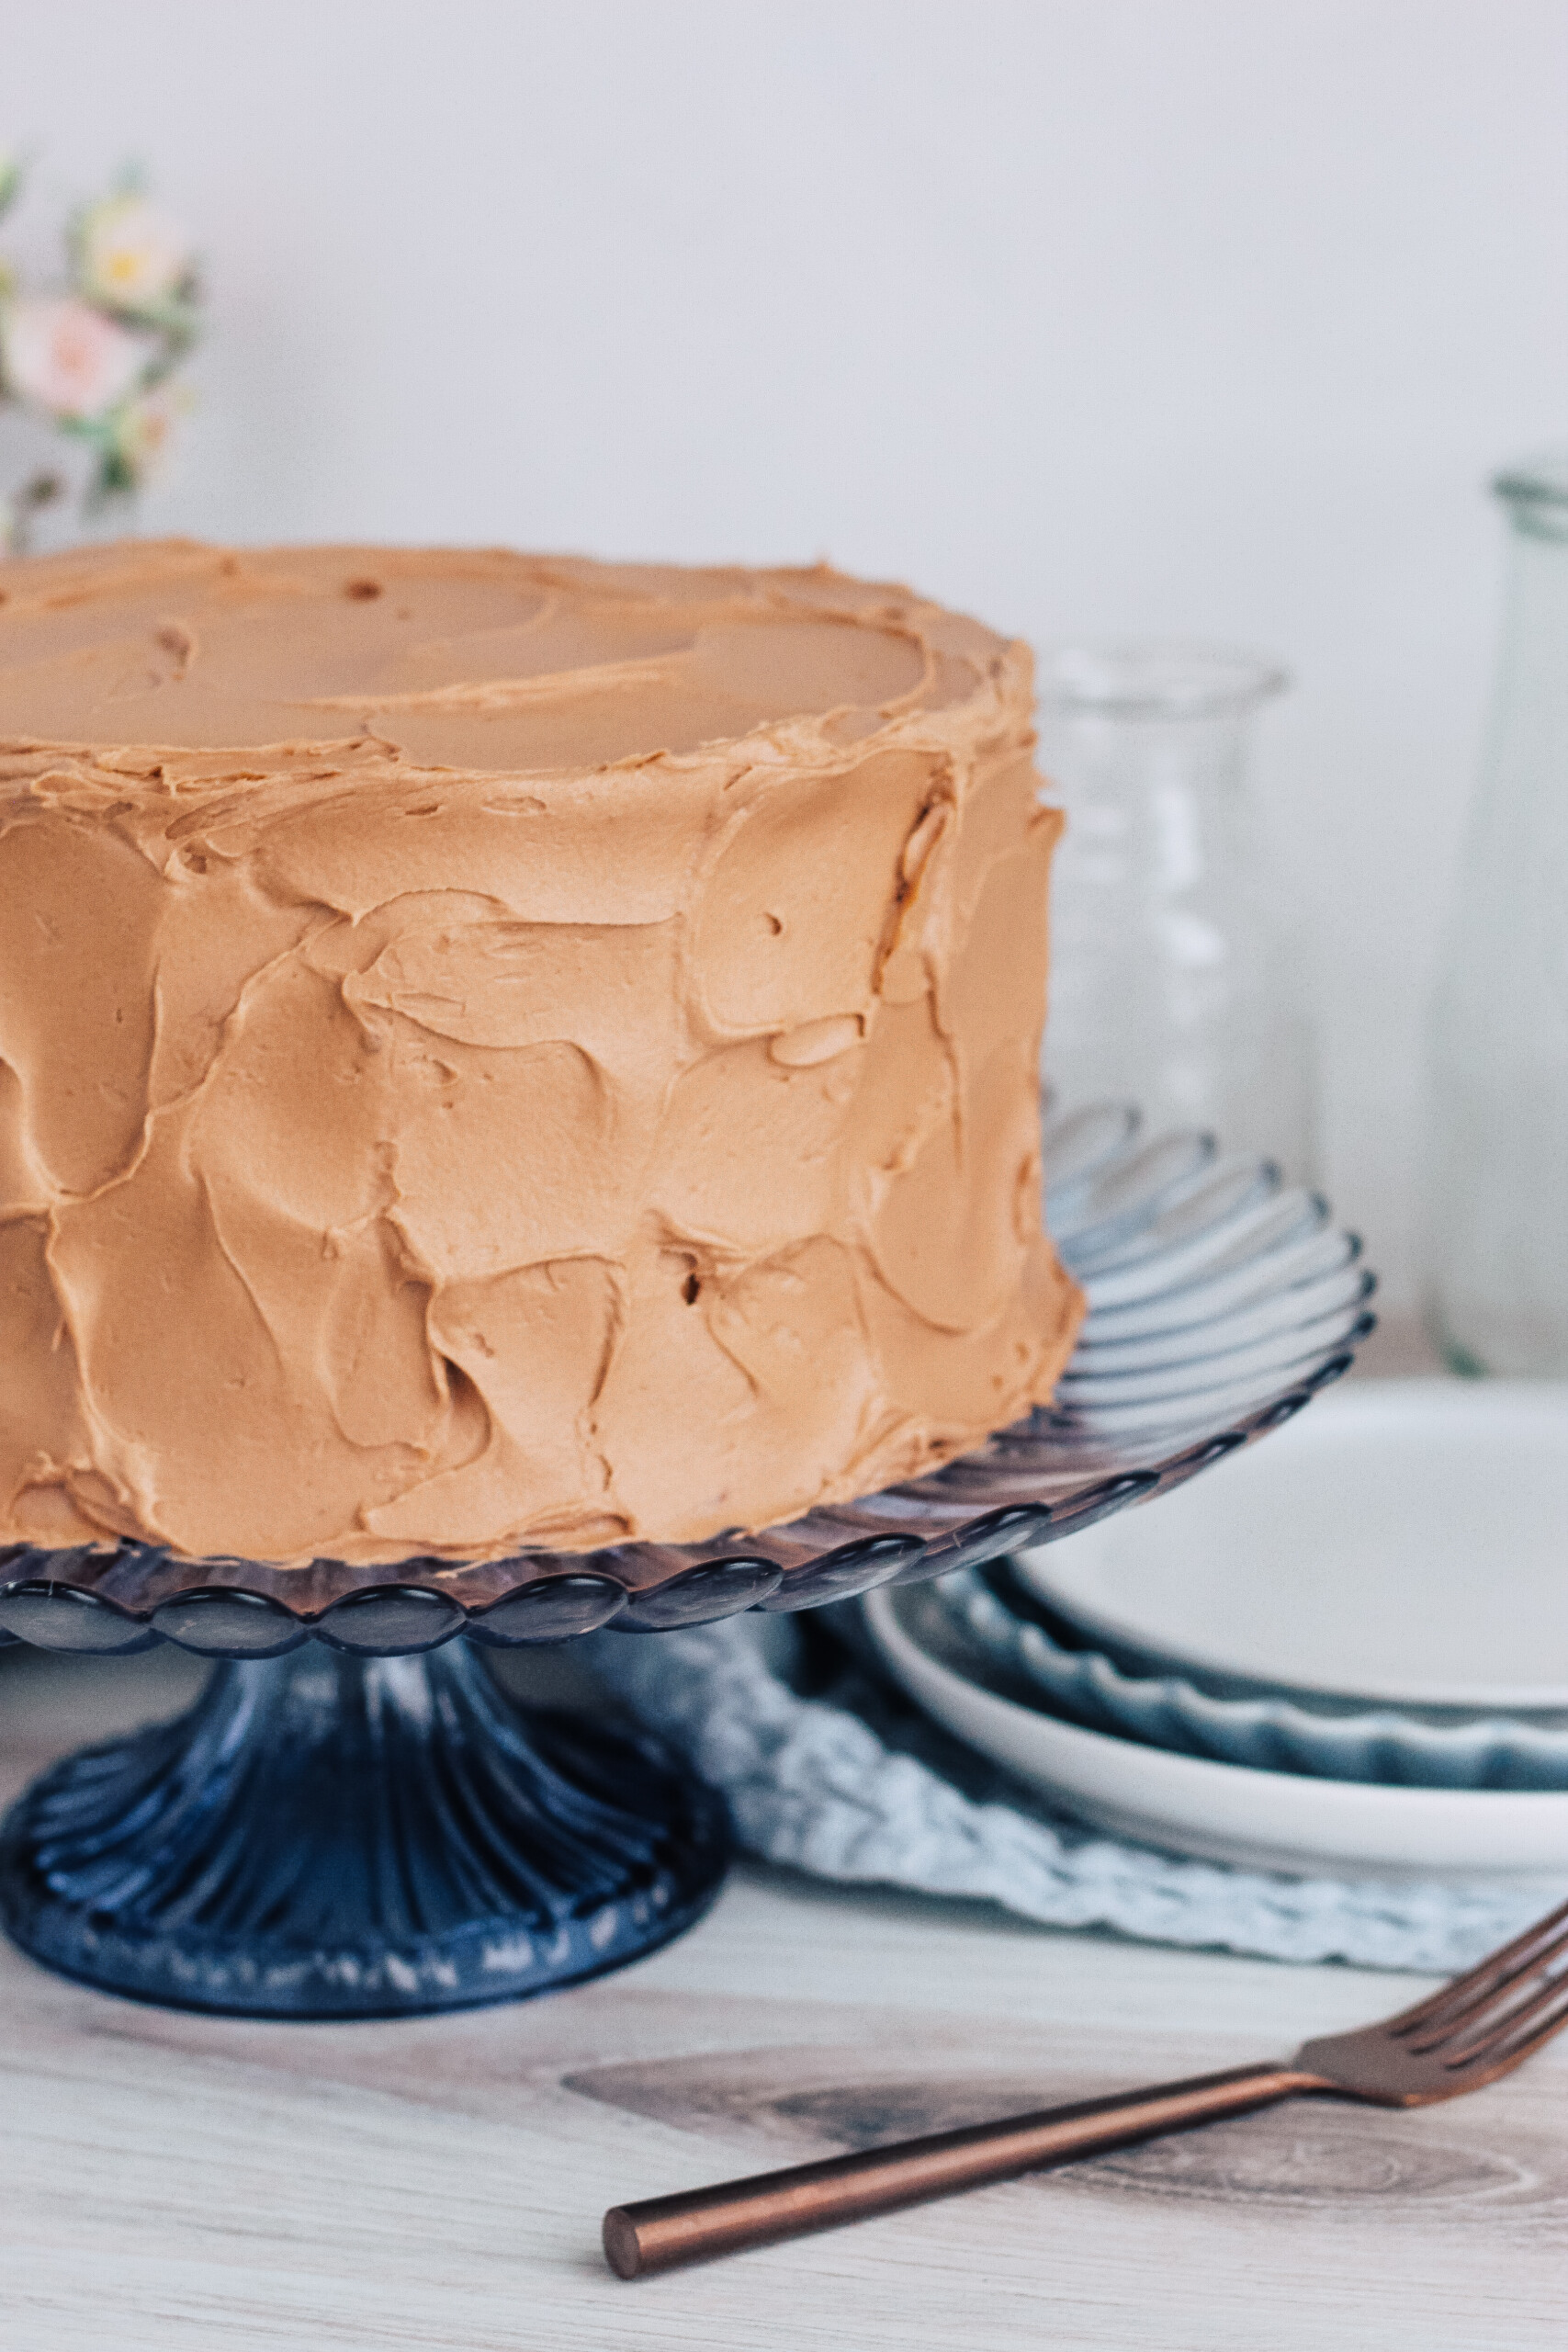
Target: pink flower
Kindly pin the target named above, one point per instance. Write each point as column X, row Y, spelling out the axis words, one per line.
column 65, row 357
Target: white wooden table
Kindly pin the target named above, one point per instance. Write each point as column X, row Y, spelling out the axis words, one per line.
column 169, row 2181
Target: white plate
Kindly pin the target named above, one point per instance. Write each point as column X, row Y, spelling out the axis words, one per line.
column 1405, row 1541
column 1228, row 1813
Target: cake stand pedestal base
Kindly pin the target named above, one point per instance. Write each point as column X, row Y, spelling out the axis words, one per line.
column 326, row 1835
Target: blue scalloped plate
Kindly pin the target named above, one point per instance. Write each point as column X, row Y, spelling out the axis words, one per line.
column 1386, row 1744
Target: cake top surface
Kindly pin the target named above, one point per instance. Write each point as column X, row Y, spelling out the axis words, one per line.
column 478, row 658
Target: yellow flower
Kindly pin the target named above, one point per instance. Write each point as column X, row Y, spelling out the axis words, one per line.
column 130, row 255
column 141, row 429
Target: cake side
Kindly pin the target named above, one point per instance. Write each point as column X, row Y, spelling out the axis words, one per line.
column 504, row 1051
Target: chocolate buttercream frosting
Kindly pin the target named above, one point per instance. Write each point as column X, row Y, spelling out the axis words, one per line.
column 499, row 1051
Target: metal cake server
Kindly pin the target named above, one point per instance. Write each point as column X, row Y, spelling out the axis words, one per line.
column 1483, row 2025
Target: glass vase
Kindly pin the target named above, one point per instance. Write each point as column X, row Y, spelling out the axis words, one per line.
column 1177, row 973
column 1496, row 1223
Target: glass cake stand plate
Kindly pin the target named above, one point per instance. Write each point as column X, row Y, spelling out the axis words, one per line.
column 354, row 1820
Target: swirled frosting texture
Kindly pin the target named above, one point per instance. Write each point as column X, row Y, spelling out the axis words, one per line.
column 499, row 1052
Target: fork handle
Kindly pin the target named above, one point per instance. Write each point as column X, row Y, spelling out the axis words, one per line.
column 663, row 2231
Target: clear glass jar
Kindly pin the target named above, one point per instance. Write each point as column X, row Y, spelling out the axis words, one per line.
column 1497, row 1225
column 1177, row 975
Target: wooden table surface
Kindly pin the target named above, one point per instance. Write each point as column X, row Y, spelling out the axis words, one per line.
column 173, row 2181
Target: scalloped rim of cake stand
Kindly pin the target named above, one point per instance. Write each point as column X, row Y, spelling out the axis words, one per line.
column 1220, row 1302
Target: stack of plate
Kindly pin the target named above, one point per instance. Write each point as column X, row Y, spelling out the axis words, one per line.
column 1345, row 1651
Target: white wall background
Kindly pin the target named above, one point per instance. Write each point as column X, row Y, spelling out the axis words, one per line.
column 1192, row 316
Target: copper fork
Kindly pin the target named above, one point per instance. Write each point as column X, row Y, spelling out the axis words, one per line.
column 1483, row 2025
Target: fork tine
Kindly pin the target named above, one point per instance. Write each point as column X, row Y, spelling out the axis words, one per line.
column 1515, row 2057
column 1484, row 2038
column 1492, row 2003
column 1470, row 2003
column 1488, row 1973
column 1507, row 2054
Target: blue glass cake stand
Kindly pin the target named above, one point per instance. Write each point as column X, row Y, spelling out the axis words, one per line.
column 354, row 1820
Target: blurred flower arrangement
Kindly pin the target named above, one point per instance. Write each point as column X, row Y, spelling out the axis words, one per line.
column 95, row 360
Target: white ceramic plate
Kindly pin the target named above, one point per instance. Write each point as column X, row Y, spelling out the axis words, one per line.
column 1226, row 1811
column 1405, row 1541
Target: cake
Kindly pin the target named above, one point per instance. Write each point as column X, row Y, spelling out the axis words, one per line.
column 501, row 1052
